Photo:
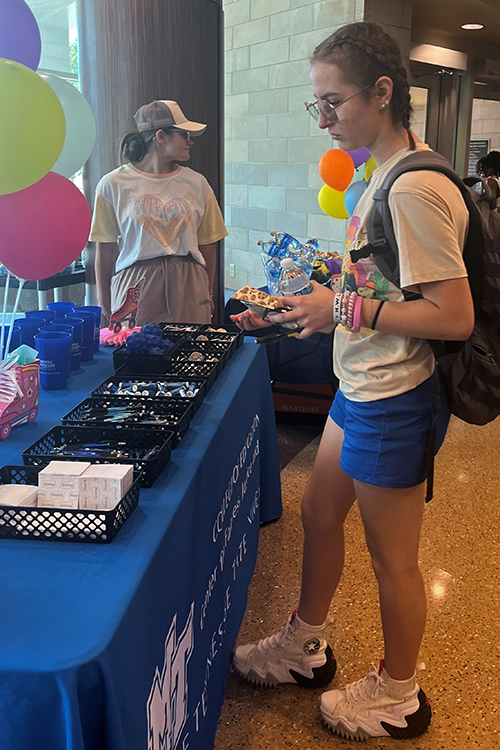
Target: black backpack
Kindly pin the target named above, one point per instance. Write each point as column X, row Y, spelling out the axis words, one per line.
column 470, row 369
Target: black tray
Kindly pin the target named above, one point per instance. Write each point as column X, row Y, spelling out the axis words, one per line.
column 142, row 363
column 62, row 524
column 234, row 334
column 176, row 414
column 195, row 401
column 206, row 348
column 180, row 369
column 39, row 454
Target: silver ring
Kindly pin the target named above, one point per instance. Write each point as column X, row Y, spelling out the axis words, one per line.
column 295, row 325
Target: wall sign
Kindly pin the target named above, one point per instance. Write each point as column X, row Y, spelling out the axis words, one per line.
column 477, row 149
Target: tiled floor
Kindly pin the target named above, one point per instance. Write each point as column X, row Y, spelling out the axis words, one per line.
column 460, row 557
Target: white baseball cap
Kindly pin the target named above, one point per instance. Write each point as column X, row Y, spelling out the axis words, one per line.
column 163, row 113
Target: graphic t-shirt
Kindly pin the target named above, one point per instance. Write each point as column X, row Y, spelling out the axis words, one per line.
column 430, row 223
column 151, row 215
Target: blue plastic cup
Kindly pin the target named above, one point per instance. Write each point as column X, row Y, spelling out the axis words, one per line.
column 61, row 308
column 76, row 330
column 14, row 342
column 47, row 315
column 98, row 311
column 55, row 327
column 88, row 334
column 28, row 328
column 54, row 350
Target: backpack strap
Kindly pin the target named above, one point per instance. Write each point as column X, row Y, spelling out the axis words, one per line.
column 382, row 244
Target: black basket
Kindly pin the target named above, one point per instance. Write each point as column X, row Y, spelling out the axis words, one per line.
column 62, row 524
column 176, row 414
column 234, row 334
column 182, row 369
column 208, row 349
column 40, row 453
column 195, row 401
column 142, row 363
column 178, row 331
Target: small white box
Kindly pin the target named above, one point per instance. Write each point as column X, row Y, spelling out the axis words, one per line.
column 102, row 486
column 58, row 484
column 18, row 494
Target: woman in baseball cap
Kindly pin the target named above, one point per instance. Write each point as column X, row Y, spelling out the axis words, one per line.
column 160, row 220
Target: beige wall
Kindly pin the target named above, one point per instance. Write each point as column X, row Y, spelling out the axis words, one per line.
column 486, row 122
column 272, row 144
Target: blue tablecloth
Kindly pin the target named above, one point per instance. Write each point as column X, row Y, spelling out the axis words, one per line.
column 126, row 646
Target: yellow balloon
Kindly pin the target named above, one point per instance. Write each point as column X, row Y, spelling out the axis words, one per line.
column 332, row 202
column 370, row 166
column 32, row 127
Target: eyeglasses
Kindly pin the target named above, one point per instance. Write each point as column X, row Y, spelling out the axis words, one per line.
column 183, row 133
column 323, row 107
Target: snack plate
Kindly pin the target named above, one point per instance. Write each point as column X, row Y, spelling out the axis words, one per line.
column 261, row 310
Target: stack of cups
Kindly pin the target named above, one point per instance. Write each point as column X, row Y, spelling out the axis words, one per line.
column 47, row 315
column 61, row 308
column 76, row 329
column 86, row 322
column 97, row 312
column 54, row 350
column 28, row 328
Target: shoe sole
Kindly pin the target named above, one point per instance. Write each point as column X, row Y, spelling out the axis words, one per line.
column 323, row 675
column 417, row 724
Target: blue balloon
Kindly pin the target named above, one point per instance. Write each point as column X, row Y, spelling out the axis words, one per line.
column 353, row 194
column 19, row 34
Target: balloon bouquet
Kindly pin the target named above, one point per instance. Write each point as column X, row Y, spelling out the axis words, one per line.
column 45, row 124
column 47, row 132
column 338, row 197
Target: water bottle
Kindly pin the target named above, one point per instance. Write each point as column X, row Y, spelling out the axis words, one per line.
column 272, row 269
column 293, row 280
column 271, row 248
column 306, row 260
column 285, row 240
column 313, row 244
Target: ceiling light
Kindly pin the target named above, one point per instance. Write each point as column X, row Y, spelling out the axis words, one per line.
column 472, row 26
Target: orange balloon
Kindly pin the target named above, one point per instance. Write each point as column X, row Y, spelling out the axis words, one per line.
column 336, row 168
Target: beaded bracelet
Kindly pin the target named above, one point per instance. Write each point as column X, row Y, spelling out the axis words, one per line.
column 357, row 315
column 350, row 309
column 343, row 314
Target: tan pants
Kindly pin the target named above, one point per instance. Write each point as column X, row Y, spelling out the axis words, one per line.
column 175, row 290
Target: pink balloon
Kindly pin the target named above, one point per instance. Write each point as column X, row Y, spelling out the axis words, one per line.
column 359, row 156
column 44, row 227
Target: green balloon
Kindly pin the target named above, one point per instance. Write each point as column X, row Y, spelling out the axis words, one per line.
column 32, row 127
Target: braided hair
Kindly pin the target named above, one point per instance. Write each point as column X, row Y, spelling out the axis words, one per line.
column 364, row 53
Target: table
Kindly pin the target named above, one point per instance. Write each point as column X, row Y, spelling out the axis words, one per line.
column 127, row 646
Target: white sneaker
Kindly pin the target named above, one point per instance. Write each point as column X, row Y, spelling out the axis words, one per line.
column 377, row 706
column 296, row 655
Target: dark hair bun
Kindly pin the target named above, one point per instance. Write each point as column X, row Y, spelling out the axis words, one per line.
column 132, row 147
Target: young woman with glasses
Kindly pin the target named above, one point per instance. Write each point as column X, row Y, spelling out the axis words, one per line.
column 374, row 444
column 159, row 220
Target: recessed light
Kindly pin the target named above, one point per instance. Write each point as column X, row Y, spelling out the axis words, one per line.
column 472, row 26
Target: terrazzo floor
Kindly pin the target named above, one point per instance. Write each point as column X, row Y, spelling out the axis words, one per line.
column 460, row 560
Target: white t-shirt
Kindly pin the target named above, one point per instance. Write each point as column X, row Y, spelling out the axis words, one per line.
column 152, row 215
column 430, row 223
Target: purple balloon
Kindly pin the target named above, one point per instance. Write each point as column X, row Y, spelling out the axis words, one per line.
column 19, row 34
column 359, row 156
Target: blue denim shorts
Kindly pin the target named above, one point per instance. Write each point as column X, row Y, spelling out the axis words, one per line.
column 385, row 441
